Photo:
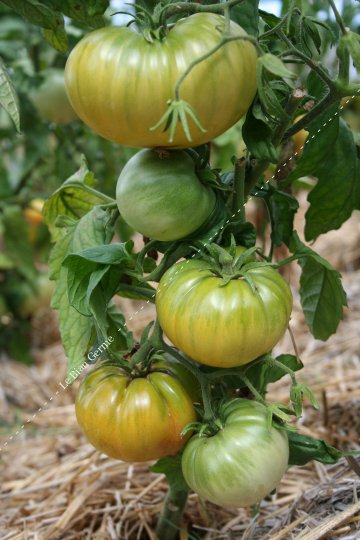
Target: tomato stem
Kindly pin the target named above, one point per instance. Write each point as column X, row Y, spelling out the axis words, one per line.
column 170, row 518
column 238, row 202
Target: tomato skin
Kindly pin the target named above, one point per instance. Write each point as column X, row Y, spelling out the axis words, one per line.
column 119, row 83
column 242, row 462
column 50, row 99
column 136, row 419
column 222, row 326
column 162, row 197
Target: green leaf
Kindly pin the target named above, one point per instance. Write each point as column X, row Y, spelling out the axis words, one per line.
column 321, row 292
column 282, row 208
column 258, row 138
column 171, row 468
column 263, row 373
column 42, row 15
column 74, row 198
column 352, row 43
column 17, row 247
column 8, row 96
column 304, row 449
column 269, row 18
column 76, row 329
column 337, row 192
column 86, row 12
column 243, row 233
column 246, row 15
column 275, row 66
column 319, row 146
column 123, row 338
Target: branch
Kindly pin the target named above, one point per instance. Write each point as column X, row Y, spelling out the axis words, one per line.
column 338, row 17
column 191, row 7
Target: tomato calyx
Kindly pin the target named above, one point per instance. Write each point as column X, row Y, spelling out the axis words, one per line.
column 228, row 264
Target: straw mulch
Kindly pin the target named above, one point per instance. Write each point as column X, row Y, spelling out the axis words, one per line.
column 54, row 485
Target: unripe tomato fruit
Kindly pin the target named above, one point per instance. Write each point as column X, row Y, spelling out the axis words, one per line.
column 134, row 419
column 119, row 83
column 222, row 326
column 50, row 99
column 161, row 196
column 242, row 463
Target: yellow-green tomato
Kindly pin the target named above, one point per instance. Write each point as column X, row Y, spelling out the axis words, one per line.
column 161, row 196
column 241, row 463
column 133, row 419
column 222, row 325
column 50, row 99
column 120, row 84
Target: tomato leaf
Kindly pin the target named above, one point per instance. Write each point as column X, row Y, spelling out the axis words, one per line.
column 42, row 15
column 321, row 292
column 282, row 207
column 261, row 374
column 304, row 449
column 257, row 136
column 319, row 145
column 86, row 12
column 74, row 198
column 243, row 233
column 247, row 16
column 8, row 96
column 171, row 468
column 76, row 329
column 337, row 192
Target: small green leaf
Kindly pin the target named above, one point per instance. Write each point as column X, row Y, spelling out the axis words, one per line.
column 352, row 43
column 263, row 373
column 304, row 449
column 282, row 207
column 74, row 198
column 8, row 96
column 171, row 467
column 247, row 16
column 321, row 292
column 257, row 136
column 274, row 65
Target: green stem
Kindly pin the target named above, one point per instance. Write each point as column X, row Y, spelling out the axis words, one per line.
column 338, row 17
column 306, row 59
column 170, row 518
column 326, row 102
column 202, row 378
column 285, row 369
column 238, row 202
column 184, row 7
column 344, row 63
column 253, row 390
column 141, row 355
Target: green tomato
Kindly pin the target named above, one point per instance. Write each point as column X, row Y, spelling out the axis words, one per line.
column 242, row 463
column 222, row 326
column 119, row 83
column 134, row 418
column 50, row 99
column 160, row 195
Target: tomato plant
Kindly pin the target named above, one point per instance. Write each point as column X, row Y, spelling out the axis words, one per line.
column 223, row 324
column 136, row 75
column 188, row 73
column 161, row 196
column 50, row 98
column 242, row 461
column 133, row 419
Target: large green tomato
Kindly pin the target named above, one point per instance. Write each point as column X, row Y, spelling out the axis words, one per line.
column 161, row 197
column 242, row 463
column 222, row 326
column 134, row 419
column 50, row 99
column 120, row 84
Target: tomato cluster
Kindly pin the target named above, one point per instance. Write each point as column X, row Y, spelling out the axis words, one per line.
column 222, row 314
